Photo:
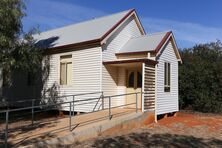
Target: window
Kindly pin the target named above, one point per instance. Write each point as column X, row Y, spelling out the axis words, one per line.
column 66, row 70
column 166, row 77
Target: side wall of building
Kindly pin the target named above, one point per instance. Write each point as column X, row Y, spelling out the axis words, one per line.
column 86, row 77
column 167, row 101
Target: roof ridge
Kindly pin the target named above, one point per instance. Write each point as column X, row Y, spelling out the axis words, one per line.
column 78, row 23
column 138, row 36
column 157, row 33
column 148, row 35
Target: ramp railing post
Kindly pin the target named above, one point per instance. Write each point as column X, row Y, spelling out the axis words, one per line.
column 136, row 103
column 109, row 108
column 32, row 112
column 6, row 128
column 73, row 99
column 102, row 101
column 70, row 115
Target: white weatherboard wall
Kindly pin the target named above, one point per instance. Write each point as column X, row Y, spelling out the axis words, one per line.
column 109, row 82
column 114, row 43
column 167, row 101
column 121, row 88
column 86, row 76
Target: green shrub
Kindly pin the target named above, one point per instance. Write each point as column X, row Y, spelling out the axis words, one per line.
column 200, row 78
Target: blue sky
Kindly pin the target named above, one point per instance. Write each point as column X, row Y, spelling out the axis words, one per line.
column 192, row 21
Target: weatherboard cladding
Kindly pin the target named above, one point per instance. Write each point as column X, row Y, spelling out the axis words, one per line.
column 127, row 30
column 85, row 78
column 119, row 38
column 167, row 101
column 89, row 74
column 149, row 86
column 88, row 61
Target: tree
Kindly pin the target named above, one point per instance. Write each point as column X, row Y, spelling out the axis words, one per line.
column 200, row 77
column 17, row 48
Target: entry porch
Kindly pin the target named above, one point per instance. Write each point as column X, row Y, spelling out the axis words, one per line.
column 134, row 76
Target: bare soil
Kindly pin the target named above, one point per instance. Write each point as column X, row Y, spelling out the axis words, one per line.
column 185, row 130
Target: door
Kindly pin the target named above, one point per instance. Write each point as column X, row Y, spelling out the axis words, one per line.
column 134, row 84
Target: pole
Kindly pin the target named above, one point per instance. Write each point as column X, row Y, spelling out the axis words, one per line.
column 32, row 112
column 109, row 108
column 6, row 129
column 102, row 101
column 136, row 103
column 73, row 99
column 70, row 115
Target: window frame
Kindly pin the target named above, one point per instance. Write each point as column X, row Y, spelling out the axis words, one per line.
column 65, row 60
column 167, row 76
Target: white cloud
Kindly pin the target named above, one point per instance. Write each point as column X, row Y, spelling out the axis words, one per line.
column 49, row 14
column 184, row 31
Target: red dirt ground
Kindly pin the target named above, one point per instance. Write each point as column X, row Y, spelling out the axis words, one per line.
column 212, row 122
column 186, row 129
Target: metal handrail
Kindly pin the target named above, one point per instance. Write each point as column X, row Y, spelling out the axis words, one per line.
column 126, row 94
column 46, row 105
column 101, row 97
column 55, row 104
column 71, row 104
column 44, row 98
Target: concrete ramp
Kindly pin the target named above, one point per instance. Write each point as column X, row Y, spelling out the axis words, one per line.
column 89, row 131
column 55, row 133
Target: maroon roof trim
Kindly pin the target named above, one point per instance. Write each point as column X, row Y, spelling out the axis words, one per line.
column 66, row 48
column 131, row 61
column 116, row 25
column 159, row 46
column 131, row 53
column 140, row 23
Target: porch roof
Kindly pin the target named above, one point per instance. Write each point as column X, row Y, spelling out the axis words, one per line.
column 123, row 61
column 145, row 43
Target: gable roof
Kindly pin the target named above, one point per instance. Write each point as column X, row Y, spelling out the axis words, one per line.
column 94, row 30
column 143, row 43
column 149, row 43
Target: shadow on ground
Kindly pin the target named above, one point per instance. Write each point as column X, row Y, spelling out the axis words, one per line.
column 146, row 139
column 28, row 138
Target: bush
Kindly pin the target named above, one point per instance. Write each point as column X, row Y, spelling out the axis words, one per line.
column 200, row 78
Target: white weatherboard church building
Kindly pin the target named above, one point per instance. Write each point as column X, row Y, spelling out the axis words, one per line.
column 114, row 55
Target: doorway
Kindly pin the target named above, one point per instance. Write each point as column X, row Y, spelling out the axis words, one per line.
column 134, row 84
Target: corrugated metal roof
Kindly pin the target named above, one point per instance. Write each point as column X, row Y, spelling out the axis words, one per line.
column 81, row 32
column 143, row 43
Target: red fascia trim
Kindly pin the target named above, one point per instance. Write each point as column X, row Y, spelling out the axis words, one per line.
column 131, row 53
column 116, row 25
column 157, row 49
column 131, row 61
column 77, row 44
column 140, row 23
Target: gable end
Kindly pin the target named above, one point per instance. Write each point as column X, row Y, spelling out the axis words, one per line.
column 168, row 37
